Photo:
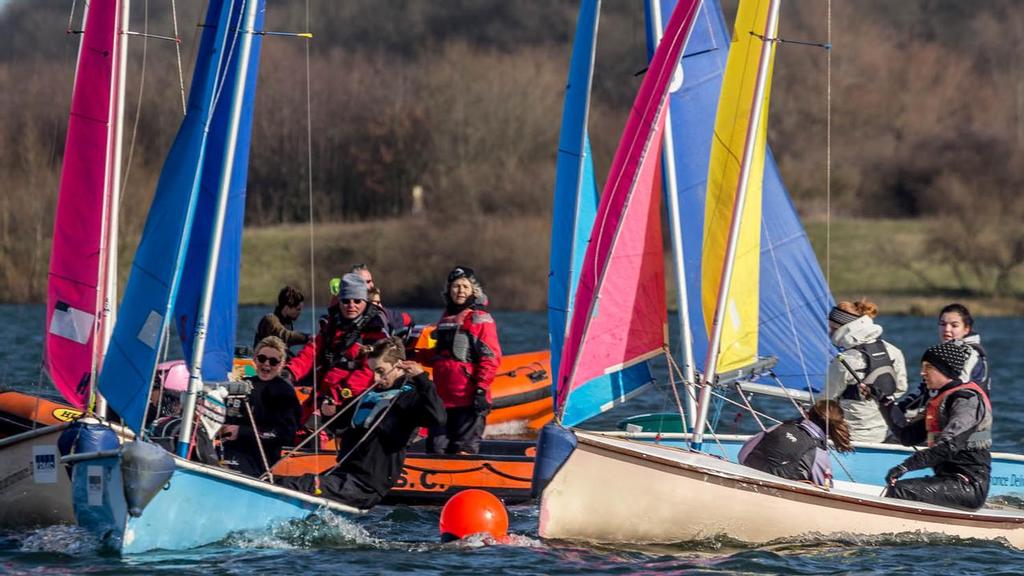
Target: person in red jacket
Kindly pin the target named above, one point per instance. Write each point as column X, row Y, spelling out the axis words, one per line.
column 339, row 350
column 464, row 361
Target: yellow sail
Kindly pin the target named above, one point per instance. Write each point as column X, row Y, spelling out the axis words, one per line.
column 732, row 128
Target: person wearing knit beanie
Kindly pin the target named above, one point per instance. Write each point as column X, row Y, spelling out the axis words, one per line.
column 948, row 358
column 353, row 287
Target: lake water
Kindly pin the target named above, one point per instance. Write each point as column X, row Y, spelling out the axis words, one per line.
column 402, row 539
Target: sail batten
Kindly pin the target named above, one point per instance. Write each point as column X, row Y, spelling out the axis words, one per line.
column 620, row 300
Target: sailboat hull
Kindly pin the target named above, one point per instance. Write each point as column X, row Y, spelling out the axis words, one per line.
column 687, row 496
column 34, row 488
column 199, row 505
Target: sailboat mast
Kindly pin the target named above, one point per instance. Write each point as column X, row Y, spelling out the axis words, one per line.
column 195, row 377
column 757, row 109
column 675, row 227
column 108, row 307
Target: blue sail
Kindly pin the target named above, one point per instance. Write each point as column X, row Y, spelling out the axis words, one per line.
column 794, row 296
column 145, row 310
column 575, row 207
column 220, row 339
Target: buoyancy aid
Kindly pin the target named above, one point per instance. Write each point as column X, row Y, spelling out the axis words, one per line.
column 787, row 451
column 936, row 416
column 373, row 405
column 451, row 341
column 879, row 371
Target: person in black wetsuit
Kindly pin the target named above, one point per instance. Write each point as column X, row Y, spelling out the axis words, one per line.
column 374, row 438
column 957, row 426
column 275, row 410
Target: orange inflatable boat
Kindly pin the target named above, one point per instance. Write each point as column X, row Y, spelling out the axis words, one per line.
column 503, row 467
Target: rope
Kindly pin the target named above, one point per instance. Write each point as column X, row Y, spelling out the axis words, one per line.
column 828, row 150
column 312, row 242
column 138, row 106
column 746, row 402
column 259, row 443
column 328, row 423
column 177, row 52
column 673, row 371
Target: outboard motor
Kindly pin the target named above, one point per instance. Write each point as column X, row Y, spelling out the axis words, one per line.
column 145, row 469
column 87, row 435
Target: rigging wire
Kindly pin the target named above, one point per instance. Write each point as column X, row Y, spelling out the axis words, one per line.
column 312, row 240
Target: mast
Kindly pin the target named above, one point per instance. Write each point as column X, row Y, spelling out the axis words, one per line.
column 675, row 228
column 246, row 30
column 757, row 109
column 108, row 305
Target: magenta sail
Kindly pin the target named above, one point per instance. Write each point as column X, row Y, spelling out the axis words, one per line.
column 620, row 316
column 74, row 296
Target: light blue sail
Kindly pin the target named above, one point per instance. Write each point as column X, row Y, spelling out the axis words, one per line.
column 155, row 276
column 575, row 207
column 795, row 299
column 221, row 328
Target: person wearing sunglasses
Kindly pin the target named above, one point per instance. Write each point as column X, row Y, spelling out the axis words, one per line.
column 465, row 361
column 338, row 352
column 376, row 434
column 275, row 412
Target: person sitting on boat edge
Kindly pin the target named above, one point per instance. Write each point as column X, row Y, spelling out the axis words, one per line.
column 274, row 410
column 798, row 449
column 866, row 369
column 281, row 322
column 372, row 447
column 958, row 429
column 465, row 361
column 338, row 352
column 955, row 323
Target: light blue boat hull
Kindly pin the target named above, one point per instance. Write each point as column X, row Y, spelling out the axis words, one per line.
column 199, row 505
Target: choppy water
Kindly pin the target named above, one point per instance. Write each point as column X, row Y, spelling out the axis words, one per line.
column 403, row 539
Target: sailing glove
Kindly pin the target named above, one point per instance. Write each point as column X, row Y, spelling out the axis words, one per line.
column 894, row 474
column 480, row 401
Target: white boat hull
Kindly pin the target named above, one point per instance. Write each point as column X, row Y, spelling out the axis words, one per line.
column 616, row 490
column 35, row 490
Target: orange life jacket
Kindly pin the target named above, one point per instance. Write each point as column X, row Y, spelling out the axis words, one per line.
column 932, row 418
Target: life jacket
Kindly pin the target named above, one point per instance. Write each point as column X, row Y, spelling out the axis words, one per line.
column 936, row 417
column 452, row 342
column 787, row 451
column 980, row 372
column 374, row 405
column 879, row 372
column 369, row 327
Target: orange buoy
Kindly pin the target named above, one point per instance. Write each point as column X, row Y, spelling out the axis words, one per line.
column 471, row 512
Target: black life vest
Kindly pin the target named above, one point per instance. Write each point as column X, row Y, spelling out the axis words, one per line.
column 787, row 451
column 879, row 373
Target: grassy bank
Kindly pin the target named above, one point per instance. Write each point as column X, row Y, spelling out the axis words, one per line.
column 885, row 260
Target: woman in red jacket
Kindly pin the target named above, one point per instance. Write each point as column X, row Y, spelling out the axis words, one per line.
column 465, row 361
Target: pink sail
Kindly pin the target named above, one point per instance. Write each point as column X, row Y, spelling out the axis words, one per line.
column 75, row 281
column 620, row 316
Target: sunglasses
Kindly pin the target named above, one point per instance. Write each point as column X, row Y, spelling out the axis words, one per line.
column 351, row 300
column 264, row 359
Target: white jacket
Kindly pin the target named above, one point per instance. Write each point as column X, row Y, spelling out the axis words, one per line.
column 862, row 416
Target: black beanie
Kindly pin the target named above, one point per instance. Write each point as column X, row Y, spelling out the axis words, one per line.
column 948, row 357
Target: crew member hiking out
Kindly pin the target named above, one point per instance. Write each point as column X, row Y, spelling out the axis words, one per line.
column 339, row 349
column 798, row 449
column 375, row 436
column 465, row 361
column 958, row 429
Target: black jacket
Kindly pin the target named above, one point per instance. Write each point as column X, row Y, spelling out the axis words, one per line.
column 378, row 451
column 275, row 408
